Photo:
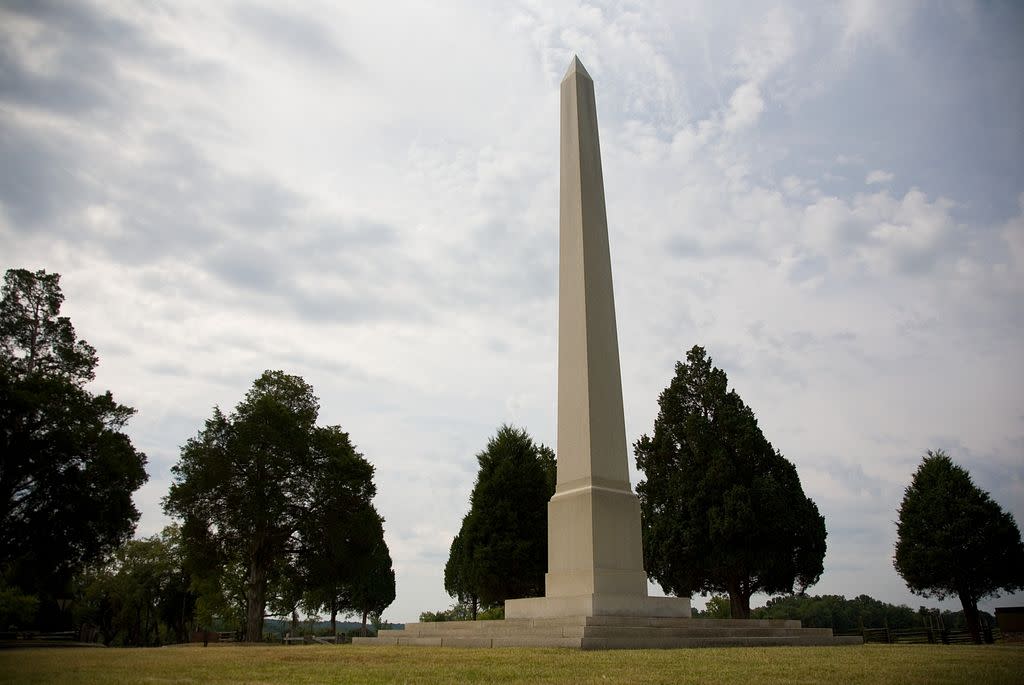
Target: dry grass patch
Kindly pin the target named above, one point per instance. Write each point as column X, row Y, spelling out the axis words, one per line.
column 300, row 665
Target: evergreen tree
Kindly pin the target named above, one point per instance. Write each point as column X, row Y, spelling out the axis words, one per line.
column 723, row 511
column 953, row 539
column 501, row 550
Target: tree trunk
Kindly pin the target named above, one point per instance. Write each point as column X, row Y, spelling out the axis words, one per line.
column 971, row 615
column 362, row 631
column 334, row 617
column 739, row 600
column 475, row 605
column 256, row 598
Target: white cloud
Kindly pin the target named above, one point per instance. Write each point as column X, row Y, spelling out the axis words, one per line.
column 745, row 107
column 878, row 176
column 1013, row 234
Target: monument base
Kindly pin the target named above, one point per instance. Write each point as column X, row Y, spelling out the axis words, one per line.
column 609, row 632
column 598, row 605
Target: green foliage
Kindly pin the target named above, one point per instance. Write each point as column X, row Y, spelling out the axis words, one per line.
column 460, row 611
column 142, row 596
column 463, row 612
column 717, row 607
column 501, row 549
column 67, row 470
column 458, row 573
column 272, row 503
column 723, row 511
column 34, row 339
column 953, row 539
column 345, row 562
column 839, row 613
column 494, row 613
column 17, row 609
column 370, row 589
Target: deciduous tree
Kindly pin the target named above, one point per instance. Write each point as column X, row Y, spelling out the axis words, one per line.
column 141, row 596
column 67, row 469
column 258, row 485
column 722, row 510
column 954, row 539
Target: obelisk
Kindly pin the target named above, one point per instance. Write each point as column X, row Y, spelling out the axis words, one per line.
column 595, row 557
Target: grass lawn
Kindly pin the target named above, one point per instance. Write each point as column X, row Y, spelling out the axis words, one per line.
column 297, row 665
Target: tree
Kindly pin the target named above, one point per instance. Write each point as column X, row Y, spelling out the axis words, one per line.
column 67, row 470
column 459, row 581
column 722, row 510
column 371, row 589
column 256, row 485
column 345, row 562
column 837, row 612
column 350, row 571
column 501, row 549
column 953, row 539
column 718, row 606
column 141, row 597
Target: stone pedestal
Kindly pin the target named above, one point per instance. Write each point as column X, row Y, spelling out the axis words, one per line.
column 609, row 632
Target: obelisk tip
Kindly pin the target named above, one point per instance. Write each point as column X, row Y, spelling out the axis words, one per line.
column 576, row 67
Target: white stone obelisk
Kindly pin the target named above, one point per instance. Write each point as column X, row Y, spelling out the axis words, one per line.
column 595, row 557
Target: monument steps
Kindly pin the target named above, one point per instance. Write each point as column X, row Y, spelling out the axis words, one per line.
column 609, row 632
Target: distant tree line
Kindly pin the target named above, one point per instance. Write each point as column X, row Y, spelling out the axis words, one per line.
column 844, row 615
column 275, row 512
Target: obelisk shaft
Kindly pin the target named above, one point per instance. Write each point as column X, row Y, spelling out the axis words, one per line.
column 591, row 430
column 595, row 558
column 594, row 518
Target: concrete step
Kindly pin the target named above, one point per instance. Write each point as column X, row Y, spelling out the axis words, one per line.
column 487, row 629
column 470, row 641
column 629, row 632
column 718, row 641
column 711, row 623
column 494, row 629
column 608, row 632
column 447, row 627
column 634, row 642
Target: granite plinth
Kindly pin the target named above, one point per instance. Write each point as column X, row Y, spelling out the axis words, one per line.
column 609, row 632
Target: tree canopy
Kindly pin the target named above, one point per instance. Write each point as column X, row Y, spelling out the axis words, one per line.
column 501, row 550
column 722, row 510
column 953, row 539
column 268, row 498
column 141, row 596
column 67, row 469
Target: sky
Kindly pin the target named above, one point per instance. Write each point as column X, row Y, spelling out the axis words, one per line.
column 828, row 197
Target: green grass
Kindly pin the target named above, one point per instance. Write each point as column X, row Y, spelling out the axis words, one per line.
column 298, row 665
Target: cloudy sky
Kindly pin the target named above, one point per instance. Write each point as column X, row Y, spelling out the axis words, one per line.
column 829, row 198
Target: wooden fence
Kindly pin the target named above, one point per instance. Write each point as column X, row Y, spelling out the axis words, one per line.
column 924, row 636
